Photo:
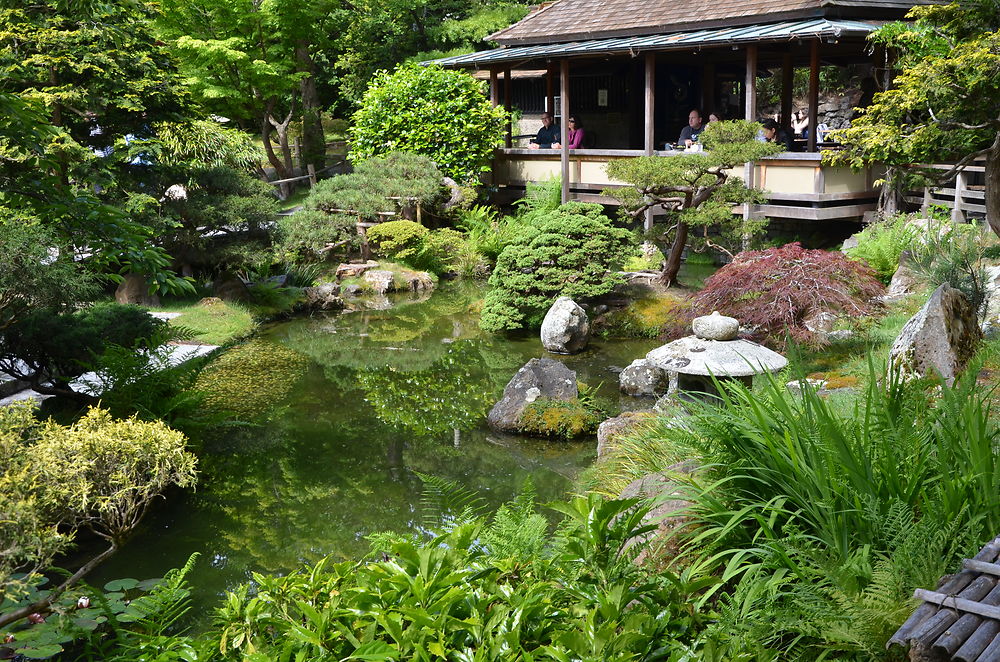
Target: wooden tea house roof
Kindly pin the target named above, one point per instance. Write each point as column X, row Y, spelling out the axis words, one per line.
column 573, row 20
column 961, row 619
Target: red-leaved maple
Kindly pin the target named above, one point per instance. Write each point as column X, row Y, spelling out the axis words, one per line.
column 775, row 291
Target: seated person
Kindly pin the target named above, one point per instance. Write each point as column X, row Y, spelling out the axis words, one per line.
column 714, row 116
column 774, row 133
column 547, row 135
column 575, row 132
column 690, row 133
column 800, row 124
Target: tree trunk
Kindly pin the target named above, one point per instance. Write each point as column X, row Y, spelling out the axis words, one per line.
column 313, row 139
column 993, row 189
column 668, row 277
column 282, row 165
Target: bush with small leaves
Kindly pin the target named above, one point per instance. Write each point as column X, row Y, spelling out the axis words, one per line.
column 442, row 114
column 775, row 291
column 571, row 251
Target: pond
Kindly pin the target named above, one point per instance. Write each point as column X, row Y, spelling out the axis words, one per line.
column 385, row 397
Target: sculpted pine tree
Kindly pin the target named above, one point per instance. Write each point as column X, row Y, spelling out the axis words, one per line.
column 695, row 190
column 943, row 106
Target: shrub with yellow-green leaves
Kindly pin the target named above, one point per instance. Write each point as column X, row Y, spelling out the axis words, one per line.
column 99, row 473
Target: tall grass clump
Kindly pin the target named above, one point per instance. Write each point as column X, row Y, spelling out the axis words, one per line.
column 825, row 516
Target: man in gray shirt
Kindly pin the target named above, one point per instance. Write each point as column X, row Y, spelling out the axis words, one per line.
column 690, row 133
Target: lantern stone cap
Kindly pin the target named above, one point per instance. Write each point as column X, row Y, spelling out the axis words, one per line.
column 719, row 358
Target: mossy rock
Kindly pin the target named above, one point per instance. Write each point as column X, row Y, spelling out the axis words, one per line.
column 564, row 419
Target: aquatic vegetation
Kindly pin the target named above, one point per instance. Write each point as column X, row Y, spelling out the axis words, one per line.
column 565, row 419
column 647, row 317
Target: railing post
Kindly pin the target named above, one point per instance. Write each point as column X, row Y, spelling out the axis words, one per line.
column 650, row 107
column 957, row 214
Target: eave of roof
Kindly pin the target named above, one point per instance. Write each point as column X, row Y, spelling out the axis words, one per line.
column 772, row 32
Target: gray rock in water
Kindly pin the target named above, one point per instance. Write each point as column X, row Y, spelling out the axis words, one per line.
column 565, row 329
column 612, row 429
column 939, row 340
column 643, row 380
column 538, row 378
column 323, row 297
column 716, row 327
column 379, row 280
column 135, row 290
column 352, row 290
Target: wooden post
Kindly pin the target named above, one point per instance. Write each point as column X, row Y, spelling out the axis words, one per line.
column 813, row 95
column 550, row 90
column 494, row 91
column 563, row 126
column 750, row 86
column 311, row 169
column 650, row 127
column 926, row 206
column 787, row 89
column 508, row 139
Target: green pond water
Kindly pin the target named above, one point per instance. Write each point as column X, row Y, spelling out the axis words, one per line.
column 386, row 396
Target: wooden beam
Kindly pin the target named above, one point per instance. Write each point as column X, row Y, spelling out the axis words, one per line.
column 750, row 85
column 494, row 90
column 563, row 126
column 787, row 90
column 508, row 139
column 813, row 94
column 959, row 604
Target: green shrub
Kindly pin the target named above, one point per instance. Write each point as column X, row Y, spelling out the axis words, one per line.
column 647, row 317
column 441, row 114
column 832, row 512
column 954, row 255
column 881, row 243
column 398, row 240
column 571, row 251
column 308, row 235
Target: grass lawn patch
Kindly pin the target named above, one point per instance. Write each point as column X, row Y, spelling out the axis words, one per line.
column 213, row 324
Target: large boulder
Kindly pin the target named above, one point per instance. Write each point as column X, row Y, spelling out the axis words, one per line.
column 905, row 281
column 939, row 340
column 664, row 491
column 538, row 378
column 612, row 429
column 641, row 379
column 134, row 289
column 323, row 297
column 379, row 280
column 565, row 329
column 231, row 288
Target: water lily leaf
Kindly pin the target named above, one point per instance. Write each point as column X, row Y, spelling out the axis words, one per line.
column 121, row 584
column 41, row 652
column 147, row 584
column 88, row 624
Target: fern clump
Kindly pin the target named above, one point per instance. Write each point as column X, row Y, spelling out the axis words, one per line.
column 881, row 243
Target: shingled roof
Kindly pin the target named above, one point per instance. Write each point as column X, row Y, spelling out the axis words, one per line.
column 572, row 20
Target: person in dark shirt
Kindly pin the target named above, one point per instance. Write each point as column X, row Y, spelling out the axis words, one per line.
column 774, row 133
column 547, row 135
column 690, row 133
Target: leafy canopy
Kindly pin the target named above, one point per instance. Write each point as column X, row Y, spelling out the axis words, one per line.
column 441, row 114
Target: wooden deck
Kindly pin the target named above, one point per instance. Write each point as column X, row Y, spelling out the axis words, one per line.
column 798, row 185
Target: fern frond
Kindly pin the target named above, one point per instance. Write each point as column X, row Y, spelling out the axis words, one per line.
column 446, row 504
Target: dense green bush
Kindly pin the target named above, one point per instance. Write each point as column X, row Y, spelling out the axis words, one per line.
column 442, row 114
column 830, row 512
column 398, row 240
column 48, row 348
column 881, row 243
column 955, row 255
column 484, row 590
column 439, row 251
column 570, row 251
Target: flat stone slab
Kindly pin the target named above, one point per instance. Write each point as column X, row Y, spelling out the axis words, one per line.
column 162, row 315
